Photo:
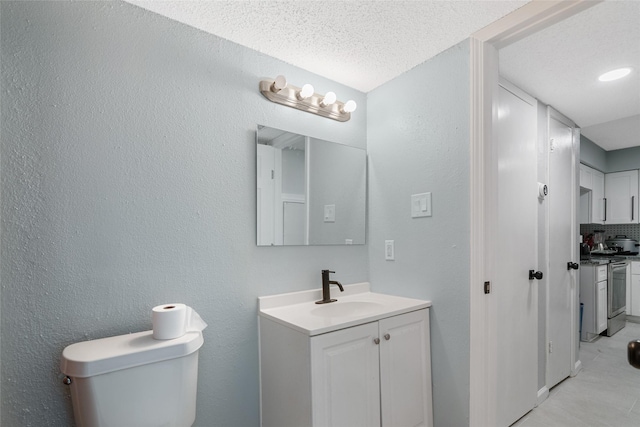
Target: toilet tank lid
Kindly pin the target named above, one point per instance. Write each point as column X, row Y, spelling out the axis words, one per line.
column 89, row 358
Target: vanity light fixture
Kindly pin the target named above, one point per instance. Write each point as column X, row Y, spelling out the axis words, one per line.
column 329, row 98
column 305, row 99
column 349, row 106
column 615, row 74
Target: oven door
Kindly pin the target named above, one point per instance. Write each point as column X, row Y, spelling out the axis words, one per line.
column 617, row 289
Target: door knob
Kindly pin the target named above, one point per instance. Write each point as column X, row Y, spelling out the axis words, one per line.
column 573, row 265
column 535, row 274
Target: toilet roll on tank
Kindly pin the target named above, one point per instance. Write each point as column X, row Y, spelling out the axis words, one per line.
column 171, row 321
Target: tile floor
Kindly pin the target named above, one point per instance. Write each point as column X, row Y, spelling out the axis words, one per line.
column 606, row 392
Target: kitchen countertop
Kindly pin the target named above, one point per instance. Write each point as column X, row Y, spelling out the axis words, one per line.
column 609, row 259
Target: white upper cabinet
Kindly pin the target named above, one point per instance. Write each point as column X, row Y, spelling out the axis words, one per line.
column 592, row 196
column 621, row 190
column 586, row 177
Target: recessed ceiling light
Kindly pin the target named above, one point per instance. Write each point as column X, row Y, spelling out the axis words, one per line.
column 614, row 74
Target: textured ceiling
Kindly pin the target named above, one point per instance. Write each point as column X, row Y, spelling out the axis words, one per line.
column 561, row 64
column 361, row 44
column 364, row 44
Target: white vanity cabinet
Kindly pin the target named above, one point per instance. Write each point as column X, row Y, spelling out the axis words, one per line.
column 374, row 373
column 377, row 370
column 621, row 191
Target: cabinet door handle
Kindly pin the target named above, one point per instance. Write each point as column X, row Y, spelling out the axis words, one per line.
column 632, row 203
column 605, row 209
column 387, row 337
column 376, row 340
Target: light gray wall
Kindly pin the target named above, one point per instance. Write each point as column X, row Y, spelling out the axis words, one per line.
column 592, row 155
column 418, row 141
column 128, row 180
column 337, row 176
column 623, row 160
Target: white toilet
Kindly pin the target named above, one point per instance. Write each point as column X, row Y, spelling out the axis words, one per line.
column 133, row 380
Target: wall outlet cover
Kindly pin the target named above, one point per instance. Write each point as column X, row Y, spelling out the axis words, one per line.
column 389, row 250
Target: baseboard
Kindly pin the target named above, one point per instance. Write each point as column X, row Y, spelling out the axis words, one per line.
column 576, row 368
column 543, row 393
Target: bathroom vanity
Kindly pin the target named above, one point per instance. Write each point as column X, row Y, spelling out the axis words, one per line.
column 364, row 360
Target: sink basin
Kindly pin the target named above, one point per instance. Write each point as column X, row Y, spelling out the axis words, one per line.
column 347, row 308
column 357, row 305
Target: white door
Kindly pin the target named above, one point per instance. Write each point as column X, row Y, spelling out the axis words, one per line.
column 405, row 370
column 293, row 223
column 515, row 254
column 345, row 378
column 266, row 194
column 561, row 280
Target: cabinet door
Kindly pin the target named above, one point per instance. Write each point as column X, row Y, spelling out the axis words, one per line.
column 635, row 295
column 586, row 177
column 601, row 316
column 405, row 370
column 621, row 191
column 597, row 197
column 345, row 378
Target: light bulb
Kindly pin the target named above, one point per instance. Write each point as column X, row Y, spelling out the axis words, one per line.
column 614, row 74
column 329, row 98
column 279, row 83
column 349, row 106
column 305, row 92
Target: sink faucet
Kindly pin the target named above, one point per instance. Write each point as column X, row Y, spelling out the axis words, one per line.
column 326, row 283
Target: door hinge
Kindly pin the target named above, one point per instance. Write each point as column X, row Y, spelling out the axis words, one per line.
column 273, row 173
column 551, row 145
column 550, row 346
column 487, row 287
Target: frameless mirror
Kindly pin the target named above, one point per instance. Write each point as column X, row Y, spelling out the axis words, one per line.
column 309, row 191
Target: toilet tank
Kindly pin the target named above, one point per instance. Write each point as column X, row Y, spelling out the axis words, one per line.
column 134, row 380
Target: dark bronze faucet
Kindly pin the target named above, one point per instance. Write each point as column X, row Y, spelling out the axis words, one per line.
column 326, row 283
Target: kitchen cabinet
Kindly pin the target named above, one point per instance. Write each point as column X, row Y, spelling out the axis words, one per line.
column 621, row 192
column 374, row 374
column 633, row 297
column 593, row 296
column 592, row 196
column 586, row 177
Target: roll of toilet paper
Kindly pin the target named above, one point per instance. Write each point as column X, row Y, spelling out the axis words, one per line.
column 174, row 320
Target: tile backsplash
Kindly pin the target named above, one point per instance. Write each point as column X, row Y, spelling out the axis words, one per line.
column 632, row 231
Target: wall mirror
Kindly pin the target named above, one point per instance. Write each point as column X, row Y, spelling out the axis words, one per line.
column 309, row 191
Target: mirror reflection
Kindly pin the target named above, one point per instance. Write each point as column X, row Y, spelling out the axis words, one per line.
column 309, row 191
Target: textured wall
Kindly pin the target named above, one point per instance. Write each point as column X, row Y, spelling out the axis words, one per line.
column 418, row 141
column 128, row 180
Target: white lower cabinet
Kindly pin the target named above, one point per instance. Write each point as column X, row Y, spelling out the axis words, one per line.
column 633, row 299
column 601, row 317
column 374, row 374
column 593, row 296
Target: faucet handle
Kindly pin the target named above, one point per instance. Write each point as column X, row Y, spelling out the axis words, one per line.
column 328, row 271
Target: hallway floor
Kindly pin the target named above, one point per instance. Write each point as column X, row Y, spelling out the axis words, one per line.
column 606, row 392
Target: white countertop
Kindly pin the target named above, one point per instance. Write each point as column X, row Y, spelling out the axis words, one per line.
column 355, row 306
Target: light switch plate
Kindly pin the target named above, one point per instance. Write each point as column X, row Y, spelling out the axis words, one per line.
column 420, row 205
column 389, row 250
column 329, row 213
